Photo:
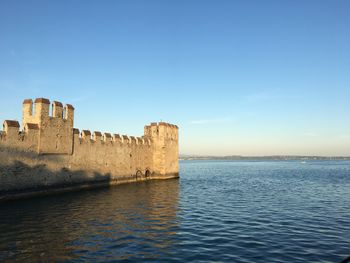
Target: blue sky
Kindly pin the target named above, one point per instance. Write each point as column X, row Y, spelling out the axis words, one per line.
column 238, row 77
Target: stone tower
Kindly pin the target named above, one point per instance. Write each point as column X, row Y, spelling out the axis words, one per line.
column 55, row 131
column 165, row 148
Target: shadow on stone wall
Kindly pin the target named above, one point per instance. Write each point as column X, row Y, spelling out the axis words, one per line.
column 26, row 173
column 22, row 176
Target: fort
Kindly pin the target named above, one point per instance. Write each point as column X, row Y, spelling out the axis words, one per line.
column 49, row 155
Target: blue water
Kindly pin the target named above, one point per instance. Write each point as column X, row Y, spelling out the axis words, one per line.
column 218, row 211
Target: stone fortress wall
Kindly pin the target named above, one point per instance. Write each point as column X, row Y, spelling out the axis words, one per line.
column 49, row 155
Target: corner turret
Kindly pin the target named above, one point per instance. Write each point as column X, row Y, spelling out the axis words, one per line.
column 165, row 145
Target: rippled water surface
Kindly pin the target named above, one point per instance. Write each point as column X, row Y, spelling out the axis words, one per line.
column 218, row 211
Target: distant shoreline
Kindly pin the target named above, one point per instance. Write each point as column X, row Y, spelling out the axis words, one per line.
column 265, row 158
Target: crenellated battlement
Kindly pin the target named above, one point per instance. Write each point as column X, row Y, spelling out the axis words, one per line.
column 11, row 128
column 59, row 126
column 47, row 137
column 39, row 111
column 162, row 130
column 85, row 136
column 25, row 139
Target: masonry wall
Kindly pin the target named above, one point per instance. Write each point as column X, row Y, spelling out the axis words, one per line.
column 117, row 157
column 49, row 154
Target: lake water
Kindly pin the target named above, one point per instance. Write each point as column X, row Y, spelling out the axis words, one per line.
column 218, row 211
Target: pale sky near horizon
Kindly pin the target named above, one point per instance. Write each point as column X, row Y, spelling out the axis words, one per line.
column 237, row 77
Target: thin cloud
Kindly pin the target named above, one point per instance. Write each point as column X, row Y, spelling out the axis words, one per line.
column 13, row 53
column 257, row 97
column 9, row 85
column 77, row 99
column 310, row 134
column 261, row 96
column 344, row 136
column 209, row 121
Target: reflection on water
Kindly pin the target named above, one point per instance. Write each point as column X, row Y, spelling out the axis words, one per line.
column 123, row 222
column 217, row 212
